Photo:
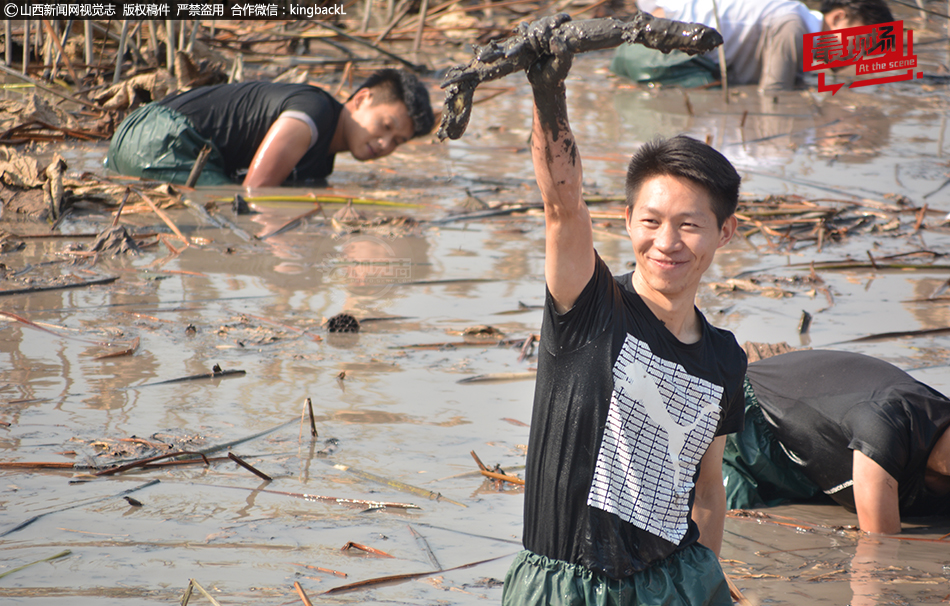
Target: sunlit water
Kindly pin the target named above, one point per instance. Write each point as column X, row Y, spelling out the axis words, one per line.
column 400, row 413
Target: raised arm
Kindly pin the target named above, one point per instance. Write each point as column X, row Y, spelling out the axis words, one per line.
column 285, row 143
column 569, row 238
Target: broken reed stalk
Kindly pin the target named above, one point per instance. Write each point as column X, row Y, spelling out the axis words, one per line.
column 62, row 51
column 313, row 423
column 199, row 166
column 51, row 91
column 61, row 554
column 123, row 40
column 34, row 289
column 125, row 352
column 362, row 42
column 372, row 550
column 335, row 573
column 423, row 11
column 406, row 577
column 292, row 223
column 396, row 484
column 161, row 215
column 302, row 594
column 503, row 477
column 737, row 596
column 211, row 375
column 494, row 475
column 145, row 461
column 322, row 498
column 118, row 212
column 249, row 467
column 526, row 347
column 26, row 523
column 194, row 584
column 425, row 545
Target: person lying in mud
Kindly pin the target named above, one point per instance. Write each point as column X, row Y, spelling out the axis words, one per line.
column 269, row 133
column 763, row 40
column 624, row 501
column 859, row 429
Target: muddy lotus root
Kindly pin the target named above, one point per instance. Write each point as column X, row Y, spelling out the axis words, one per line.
column 517, row 52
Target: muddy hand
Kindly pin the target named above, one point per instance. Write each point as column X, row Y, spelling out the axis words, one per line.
column 555, row 57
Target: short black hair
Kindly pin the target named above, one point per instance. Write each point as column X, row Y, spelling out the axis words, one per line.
column 686, row 158
column 868, row 12
column 400, row 85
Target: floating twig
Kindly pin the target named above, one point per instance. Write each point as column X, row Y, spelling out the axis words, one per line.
column 321, row 498
column 292, row 223
column 406, row 577
column 900, row 334
column 327, row 200
column 396, row 484
column 313, row 423
column 453, row 344
column 61, row 554
column 249, row 467
column 31, row 324
column 128, row 351
column 198, row 166
column 485, row 471
column 161, row 215
column 425, row 545
column 143, row 462
column 498, row 377
column 194, row 584
column 35, row 289
column 52, row 91
column 366, row 548
column 302, row 594
column 26, row 523
column 526, row 348
column 326, row 570
column 216, row 373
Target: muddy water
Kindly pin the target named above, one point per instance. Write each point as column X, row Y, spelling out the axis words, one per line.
column 400, row 413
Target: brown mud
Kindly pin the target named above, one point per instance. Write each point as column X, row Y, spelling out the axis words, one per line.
column 845, row 220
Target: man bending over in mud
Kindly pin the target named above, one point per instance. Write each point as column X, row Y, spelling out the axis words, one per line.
column 857, row 428
column 624, row 501
column 269, row 133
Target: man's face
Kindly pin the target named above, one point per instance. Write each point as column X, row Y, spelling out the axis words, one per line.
column 375, row 129
column 675, row 236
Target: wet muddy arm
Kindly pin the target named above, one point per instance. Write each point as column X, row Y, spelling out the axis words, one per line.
column 709, row 507
column 521, row 50
column 875, row 496
column 569, row 240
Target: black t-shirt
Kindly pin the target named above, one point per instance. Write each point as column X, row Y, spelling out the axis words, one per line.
column 822, row 405
column 614, row 386
column 235, row 117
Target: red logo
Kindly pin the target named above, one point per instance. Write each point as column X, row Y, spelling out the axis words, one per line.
column 871, row 48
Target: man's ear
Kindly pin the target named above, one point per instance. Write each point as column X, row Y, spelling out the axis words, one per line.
column 728, row 230
column 362, row 96
column 836, row 19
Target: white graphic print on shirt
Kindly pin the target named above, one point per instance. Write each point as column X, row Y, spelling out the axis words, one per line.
column 660, row 422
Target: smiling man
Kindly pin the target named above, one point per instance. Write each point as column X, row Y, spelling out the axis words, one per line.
column 267, row 133
column 624, row 499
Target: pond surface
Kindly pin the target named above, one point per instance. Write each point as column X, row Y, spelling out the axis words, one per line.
column 391, row 416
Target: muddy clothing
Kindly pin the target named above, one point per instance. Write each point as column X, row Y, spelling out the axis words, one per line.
column 623, row 413
column 233, row 119
column 762, row 39
column 822, row 405
column 546, row 582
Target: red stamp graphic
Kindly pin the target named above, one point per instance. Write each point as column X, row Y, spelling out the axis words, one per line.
column 870, row 48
